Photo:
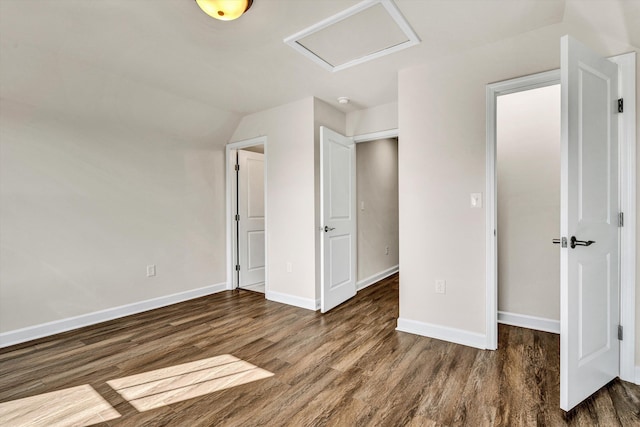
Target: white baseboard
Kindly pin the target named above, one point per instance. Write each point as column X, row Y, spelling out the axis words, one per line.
column 530, row 322
column 308, row 303
column 51, row 328
column 458, row 336
column 376, row 277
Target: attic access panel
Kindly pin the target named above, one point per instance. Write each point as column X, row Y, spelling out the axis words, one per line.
column 368, row 30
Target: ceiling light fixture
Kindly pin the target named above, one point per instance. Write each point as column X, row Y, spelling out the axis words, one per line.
column 343, row 100
column 224, row 10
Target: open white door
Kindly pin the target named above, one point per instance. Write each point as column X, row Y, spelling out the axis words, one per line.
column 338, row 218
column 589, row 289
column 250, row 218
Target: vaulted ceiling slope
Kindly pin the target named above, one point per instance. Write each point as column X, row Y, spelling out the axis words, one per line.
column 166, row 65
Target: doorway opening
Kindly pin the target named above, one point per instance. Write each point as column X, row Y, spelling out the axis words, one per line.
column 246, row 215
column 354, row 210
column 377, row 210
column 528, row 207
column 626, row 161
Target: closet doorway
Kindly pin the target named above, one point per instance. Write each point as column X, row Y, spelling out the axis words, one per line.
column 247, row 214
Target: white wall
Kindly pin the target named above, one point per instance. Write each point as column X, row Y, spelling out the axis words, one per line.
column 290, row 195
column 528, row 174
column 375, row 119
column 86, row 205
column 442, row 160
column 377, row 189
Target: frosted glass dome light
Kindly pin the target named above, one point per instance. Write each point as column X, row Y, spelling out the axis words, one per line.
column 224, row 10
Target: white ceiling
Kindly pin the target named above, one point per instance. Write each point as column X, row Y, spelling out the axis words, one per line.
column 145, row 58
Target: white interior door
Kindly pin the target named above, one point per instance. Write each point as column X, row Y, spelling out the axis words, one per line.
column 250, row 218
column 338, row 218
column 589, row 289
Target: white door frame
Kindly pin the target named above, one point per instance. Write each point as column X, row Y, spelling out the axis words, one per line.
column 627, row 189
column 383, row 134
column 229, row 175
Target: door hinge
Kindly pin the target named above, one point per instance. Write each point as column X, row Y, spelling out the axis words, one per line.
column 620, row 105
column 237, row 217
column 237, row 267
column 620, row 332
column 621, row 219
column 237, row 167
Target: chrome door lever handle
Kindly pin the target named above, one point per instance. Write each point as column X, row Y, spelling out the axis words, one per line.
column 328, row 229
column 575, row 242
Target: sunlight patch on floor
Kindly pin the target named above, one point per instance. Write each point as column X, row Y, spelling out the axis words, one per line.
column 76, row 406
column 165, row 386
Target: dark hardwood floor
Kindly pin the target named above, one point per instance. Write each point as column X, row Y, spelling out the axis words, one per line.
column 349, row 367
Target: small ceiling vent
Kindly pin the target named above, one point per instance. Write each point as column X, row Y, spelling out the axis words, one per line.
column 368, row 30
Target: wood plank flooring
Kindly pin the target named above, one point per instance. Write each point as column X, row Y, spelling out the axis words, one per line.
column 349, row 367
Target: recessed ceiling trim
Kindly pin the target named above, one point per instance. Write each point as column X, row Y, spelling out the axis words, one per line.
column 389, row 6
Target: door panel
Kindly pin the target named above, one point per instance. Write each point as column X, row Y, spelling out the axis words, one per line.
column 340, row 249
column 255, row 186
column 593, row 315
column 251, row 241
column 255, row 251
column 338, row 208
column 340, row 178
column 589, row 291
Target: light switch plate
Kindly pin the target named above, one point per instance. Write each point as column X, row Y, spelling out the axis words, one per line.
column 151, row 270
column 476, row 200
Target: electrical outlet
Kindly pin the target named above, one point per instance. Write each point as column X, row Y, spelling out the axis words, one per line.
column 441, row 286
column 289, row 267
column 386, row 250
column 151, row 270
